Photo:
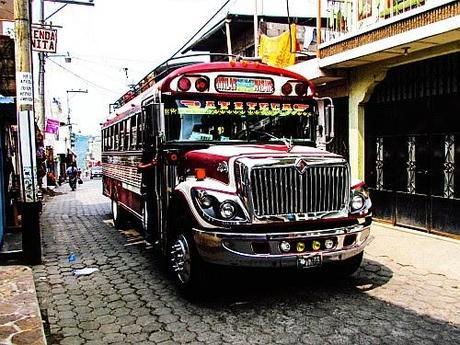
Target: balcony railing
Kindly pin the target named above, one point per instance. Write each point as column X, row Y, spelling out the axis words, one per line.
column 348, row 17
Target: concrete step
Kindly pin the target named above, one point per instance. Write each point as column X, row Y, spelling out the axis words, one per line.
column 20, row 319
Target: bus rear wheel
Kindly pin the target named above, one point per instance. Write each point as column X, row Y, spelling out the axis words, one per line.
column 117, row 214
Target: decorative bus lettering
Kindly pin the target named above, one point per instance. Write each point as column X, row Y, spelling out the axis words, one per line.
column 244, row 84
column 194, row 107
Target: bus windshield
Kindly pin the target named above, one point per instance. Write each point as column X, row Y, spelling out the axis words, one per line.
column 201, row 120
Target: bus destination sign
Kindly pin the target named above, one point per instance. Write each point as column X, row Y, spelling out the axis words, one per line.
column 244, row 84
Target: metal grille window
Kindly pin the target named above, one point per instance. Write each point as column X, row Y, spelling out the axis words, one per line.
column 379, row 163
column 411, row 165
column 449, row 166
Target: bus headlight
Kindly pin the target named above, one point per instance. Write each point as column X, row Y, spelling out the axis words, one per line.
column 205, row 199
column 219, row 207
column 357, row 202
column 360, row 201
column 227, row 209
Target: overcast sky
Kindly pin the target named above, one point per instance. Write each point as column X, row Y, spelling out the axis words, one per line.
column 112, row 35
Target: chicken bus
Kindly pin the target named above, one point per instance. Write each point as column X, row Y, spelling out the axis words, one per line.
column 224, row 163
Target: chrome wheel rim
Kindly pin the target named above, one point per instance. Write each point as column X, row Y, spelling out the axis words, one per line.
column 145, row 216
column 180, row 259
column 114, row 210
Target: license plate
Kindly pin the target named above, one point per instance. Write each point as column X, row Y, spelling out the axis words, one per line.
column 309, row 261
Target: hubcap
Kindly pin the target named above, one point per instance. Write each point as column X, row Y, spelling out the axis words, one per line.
column 145, row 216
column 114, row 210
column 180, row 259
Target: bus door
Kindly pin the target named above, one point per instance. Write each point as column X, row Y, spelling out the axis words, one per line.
column 153, row 187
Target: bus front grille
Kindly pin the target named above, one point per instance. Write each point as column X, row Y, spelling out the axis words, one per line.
column 285, row 191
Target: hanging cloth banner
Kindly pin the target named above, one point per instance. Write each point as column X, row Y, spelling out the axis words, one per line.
column 52, row 126
column 279, row 51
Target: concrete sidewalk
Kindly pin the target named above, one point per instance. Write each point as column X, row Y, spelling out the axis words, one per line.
column 426, row 252
column 20, row 319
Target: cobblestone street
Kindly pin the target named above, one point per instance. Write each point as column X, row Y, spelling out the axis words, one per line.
column 130, row 299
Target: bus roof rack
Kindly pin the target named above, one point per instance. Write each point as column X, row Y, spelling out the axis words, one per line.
column 167, row 67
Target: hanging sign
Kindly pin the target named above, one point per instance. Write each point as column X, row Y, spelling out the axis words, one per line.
column 44, row 40
column 52, row 126
column 24, row 88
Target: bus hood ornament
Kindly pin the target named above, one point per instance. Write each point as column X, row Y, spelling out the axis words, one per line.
column 301, row 165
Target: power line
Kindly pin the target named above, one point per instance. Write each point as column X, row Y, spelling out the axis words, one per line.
column 83, row 79
column 196, row 33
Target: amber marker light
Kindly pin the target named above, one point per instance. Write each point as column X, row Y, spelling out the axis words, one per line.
column 316, row 245
column 173, row 157
column 300, row 247
column 200, row 174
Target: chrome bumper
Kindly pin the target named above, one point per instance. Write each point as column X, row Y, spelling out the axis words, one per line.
column 238, row 249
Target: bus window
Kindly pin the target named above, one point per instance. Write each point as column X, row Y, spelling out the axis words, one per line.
column 116, row 136
column 140, row 130
column 133, row 126
column 122, row 135
column 110, row 137
column 126, row 136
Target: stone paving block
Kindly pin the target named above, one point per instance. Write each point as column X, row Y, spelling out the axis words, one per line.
column 20, row 319
column 131, row 300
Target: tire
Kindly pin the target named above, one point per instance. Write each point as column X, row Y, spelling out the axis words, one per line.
column 147, row 226
column 184, row 263
column 117, row 214
column 347, row 267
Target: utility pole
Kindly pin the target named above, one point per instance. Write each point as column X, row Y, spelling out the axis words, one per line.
column 318, row 28
column 41, row 78
column 256, row 29
column 41, row 109
column 69, row 124
column 42, row 57
column 27, row 167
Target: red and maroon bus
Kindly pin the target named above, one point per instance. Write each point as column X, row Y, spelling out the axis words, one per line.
column 223, row 163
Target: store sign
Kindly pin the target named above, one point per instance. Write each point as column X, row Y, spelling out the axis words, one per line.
column 44, row 40
column 52, row 126
column 244, row 85
column 24, row 88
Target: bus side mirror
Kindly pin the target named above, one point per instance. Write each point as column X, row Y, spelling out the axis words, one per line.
column 325, row 129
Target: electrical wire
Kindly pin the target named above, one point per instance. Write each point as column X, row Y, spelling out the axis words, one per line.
column 84, row 80
column 94, row 62
column 96, row 67
column 196, row 34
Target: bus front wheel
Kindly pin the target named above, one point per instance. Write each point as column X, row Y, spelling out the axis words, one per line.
column 184, row 262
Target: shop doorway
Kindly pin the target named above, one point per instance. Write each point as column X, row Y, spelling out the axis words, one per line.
column 413, row 146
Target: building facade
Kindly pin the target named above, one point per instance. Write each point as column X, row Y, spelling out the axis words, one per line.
column 400, row 63
column 392, row 68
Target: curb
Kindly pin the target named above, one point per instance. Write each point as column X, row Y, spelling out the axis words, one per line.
column 416, row 232
column 20, row 318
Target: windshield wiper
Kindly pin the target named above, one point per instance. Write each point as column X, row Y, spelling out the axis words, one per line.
column 285, row 140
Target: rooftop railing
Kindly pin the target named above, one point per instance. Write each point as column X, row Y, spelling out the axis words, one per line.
column 348, row 17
